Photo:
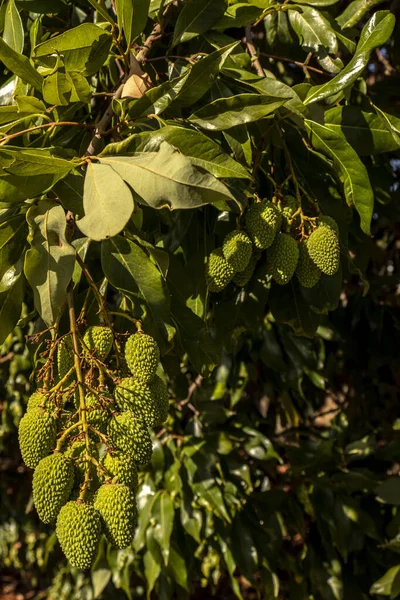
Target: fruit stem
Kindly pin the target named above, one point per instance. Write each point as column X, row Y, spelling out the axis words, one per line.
column 79, row 376
column 104, row 316
column 61, row 382
column 137, row 323
column 66, row 434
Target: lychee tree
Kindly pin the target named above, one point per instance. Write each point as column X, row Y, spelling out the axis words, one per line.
column 181, row 180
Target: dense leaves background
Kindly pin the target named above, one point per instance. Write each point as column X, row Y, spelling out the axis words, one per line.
column 276, row 475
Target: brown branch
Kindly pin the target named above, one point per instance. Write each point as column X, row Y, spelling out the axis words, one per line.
column 104, row 123
column 295, row 62
column 255, row 61
column 11, row 136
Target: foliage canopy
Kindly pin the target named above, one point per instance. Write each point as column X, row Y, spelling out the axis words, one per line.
column 136, row 137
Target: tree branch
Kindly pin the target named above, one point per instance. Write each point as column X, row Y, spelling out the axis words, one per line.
column 255, row 61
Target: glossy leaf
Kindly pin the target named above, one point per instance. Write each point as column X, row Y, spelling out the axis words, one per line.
column 202, row 150
column 355, row 11
column 318, row 3
column 151, row 562
column 167, row 178
column 11, row 300
column 132, row 16
column 107, row 203
column 316, row 35
column 367, row 132
column 20, row 65
column 388, row 584
column 202, row 75
column 83, row 48
column 129, row 269
column 239, row 15
column 156, row 100
column 389, row 491
column 49, row 263
column 163, row 514
column 354, row 175
column 13, row 233
column 229, row 112
column 196, row 17
column 375, row 33
column 13, row 33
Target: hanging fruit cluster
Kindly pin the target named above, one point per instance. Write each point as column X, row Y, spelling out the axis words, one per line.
column 295, row 244
column 86, row 435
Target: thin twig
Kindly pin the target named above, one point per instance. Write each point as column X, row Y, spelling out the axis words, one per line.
column 295, row 62
column 11, row 136
column 255, row 61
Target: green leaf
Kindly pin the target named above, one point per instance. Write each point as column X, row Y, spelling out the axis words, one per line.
column 57, row 89
column 318, row 3
column 13, row 234
column 29, row 104
column 389, row 491
column 163, row 514
column 107, row 203
column 375, row 33
column 132, row 16
column 196, row 17
column 167, row 178
column 239, row 15
column 316, row 35
column 100, row 579
column 354, row 175
column 202, row 75
column 70, row 192
column 355, row 11
column 156, row 99
column 288, row 306
column 84, row 48
column 20, row 65
column 225, row 113
column 152, row 565
column 177, row 566
column 11, row 300
column 80, row 89
column 13, row 33
column 129, row 269
column 367, row 132
column 49, row 263
column 203, row 151
column 389, row 584
column 33, row 171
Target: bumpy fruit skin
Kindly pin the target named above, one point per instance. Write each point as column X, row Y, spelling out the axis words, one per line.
column 237, row 249
column 142, row 356
column 117, row 507
column 76, row 453
column 324, row 249
column 327, row 221
column 282, row 258
column 99, row 338
column 37, row 436
column 243, row 277
column 307, row 271
column 218, row 271
column 97, row 414
column 131, row 436
column 287, row 208
column 124, row 467
column 52, row 484
column 78, row 531
column 65, row 359
column 263, row 221
column 135, row 395
column 37, row 400
column 159, row 392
